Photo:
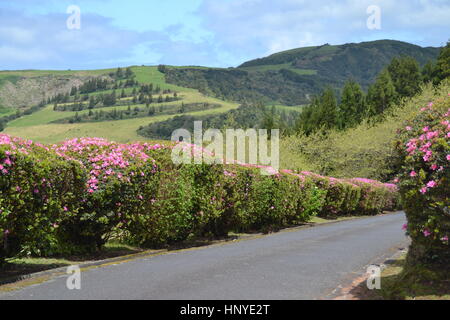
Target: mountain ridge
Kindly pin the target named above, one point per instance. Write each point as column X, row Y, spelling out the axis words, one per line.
column 291, row 77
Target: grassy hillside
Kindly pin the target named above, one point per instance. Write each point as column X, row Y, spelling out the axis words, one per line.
column 291, row 77
column 362, row 151
column 37, row 126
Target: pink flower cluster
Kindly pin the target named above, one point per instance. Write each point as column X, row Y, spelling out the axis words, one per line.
column 423, row 147
column 105, row 159
column 427, row 145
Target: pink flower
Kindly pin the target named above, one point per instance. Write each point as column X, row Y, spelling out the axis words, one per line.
column 448, row 157
column 408, row 128
column 65, row 209
column 413, row 173
column 434, row 166
column 405, row 226
column 423, row 190
column 444, row 238
column 426, row 129
column 431, row 184
column 426, row 233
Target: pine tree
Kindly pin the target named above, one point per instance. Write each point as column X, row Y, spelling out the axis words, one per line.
column 381, row 94
column 328, row 109
column 429, row 72
column 119, row 73
column 91, row 102
column 405, row 75
column 128, row 73
column 443, row 64
column 352, row 107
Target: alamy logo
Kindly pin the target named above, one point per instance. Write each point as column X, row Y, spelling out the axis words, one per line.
column 74, row 280
column 249, row 146
column 374, row 19
column 74, row 20
column 374, row 279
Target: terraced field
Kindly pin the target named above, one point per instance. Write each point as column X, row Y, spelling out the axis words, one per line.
column 38, row 126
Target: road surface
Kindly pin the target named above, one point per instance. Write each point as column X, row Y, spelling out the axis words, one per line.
column 306, row 263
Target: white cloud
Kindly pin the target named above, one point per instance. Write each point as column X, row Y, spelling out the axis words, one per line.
column 250, row 28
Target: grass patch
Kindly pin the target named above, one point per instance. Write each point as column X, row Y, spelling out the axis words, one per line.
column 16, row 267
column 417, row 283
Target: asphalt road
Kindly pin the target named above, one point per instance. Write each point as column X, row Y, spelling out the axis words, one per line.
column 306, row 263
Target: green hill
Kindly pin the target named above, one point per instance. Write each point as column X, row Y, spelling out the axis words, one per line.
column 292, row 76
column 284, row 79
column 48, row 126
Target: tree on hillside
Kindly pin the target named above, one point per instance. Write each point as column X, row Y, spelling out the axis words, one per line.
column 162, row 68
column 128, row 73
column 405, row 75
column 91, row 102
column 270, row 120
column 308, row 120
column 119, row 73
column 328, row 112
column 429, row 72
column 381, row 94
column 352, row 108
column 73, row 91
column 443, row 64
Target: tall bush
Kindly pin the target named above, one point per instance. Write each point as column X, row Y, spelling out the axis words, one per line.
column 423, row 150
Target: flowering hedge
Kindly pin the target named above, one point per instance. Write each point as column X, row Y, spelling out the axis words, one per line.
column 424, row 153
column 72, row 197
column 36, row 187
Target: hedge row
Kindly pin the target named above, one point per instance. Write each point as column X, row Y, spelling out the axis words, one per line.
column 73, row 197
column 424, row 158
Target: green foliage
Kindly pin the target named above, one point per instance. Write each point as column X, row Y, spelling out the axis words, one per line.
column 423, row 151
column 366, row 150
column 35, row 186
column 381, row 94
column 71, row 198
column 352, row 109
column 137, row 112
column 405, row 75
column 443, row 64
column 246, row 116
column 321, row 114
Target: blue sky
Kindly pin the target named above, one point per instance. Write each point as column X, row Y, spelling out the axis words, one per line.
column 219, row 33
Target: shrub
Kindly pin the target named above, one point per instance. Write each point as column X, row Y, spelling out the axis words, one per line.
column 37, row 188
column 424, row 154
column 72, row 197
column 163, row 211
column 121, row 176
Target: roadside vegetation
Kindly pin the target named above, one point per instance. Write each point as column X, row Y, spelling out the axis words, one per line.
column 83, row 192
